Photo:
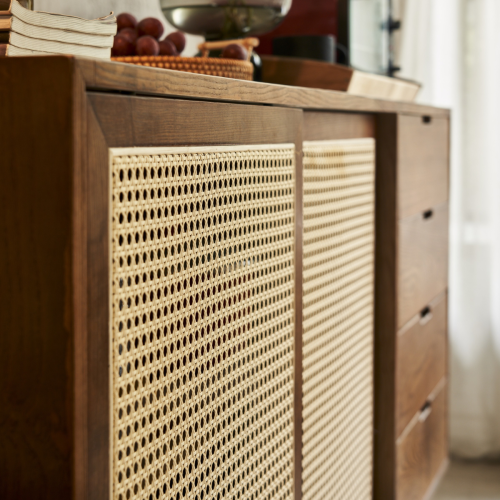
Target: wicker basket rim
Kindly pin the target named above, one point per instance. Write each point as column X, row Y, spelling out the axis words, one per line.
column 180, row 59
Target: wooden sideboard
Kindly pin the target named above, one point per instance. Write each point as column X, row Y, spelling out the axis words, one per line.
column 218, row 289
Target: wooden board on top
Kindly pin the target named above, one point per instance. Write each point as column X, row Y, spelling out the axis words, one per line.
column 323, row 75
column 120, row 77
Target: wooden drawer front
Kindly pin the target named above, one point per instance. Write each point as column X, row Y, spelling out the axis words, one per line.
column 422, row 451
column 421, row 360
column 422, row 261
column 422, row 163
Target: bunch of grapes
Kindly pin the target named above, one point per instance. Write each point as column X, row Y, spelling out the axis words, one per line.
column 143, row 39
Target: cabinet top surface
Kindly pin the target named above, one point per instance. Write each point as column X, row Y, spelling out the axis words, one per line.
column 120, row 77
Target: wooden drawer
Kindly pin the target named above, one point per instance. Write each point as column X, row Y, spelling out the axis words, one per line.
column 422, row 163
column 423, row 450
column 421, row 360
column 422, row 261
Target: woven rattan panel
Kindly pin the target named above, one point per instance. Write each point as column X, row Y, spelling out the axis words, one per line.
column 203, row 322
column 338, row 286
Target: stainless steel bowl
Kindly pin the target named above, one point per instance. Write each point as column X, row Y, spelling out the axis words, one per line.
column 225, row 19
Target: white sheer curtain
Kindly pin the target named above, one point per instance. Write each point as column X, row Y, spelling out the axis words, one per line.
column 453, row 48
column 96, row 8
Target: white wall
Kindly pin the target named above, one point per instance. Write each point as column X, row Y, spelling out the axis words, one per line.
column 96, row 8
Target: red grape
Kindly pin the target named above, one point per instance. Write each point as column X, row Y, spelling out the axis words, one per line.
column 122, row 46
column 147, row 46
column 235, row 51
column 167, row 48
column 150, row 26
column 178, row 39
column 126, row 21
column 130, row 33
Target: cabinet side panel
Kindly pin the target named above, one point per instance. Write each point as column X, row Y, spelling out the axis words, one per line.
column 36, row 291
column 98, row 311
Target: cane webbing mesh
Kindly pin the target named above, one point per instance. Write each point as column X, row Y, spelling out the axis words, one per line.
column 338, row 319
column 202, row 322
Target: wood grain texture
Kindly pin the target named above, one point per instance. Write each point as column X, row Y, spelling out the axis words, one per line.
column 423, row 164
column 423, row 451
column 120, row 77
column 422, row 261
column 306, row 73
column 437, row 480
column 326, row 126
column 421, row 360
column 299, row 293
column 111, row 76
column 79, row 287
column 146, row 121
column 99, row 420
column 37, row 248
column 324, row 75
column 385, row 308
column 411, row 271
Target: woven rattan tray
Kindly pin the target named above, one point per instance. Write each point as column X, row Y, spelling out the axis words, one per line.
column 229, row 68
column 214, row 66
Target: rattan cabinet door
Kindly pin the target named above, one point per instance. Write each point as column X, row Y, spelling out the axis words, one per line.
column 202, row 322
column 338, row 283
column 201, row 232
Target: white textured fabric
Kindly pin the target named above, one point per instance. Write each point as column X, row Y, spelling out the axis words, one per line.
column 96, row 8
column 453, row 48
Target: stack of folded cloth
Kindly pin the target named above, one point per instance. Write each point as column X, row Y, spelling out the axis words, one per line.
column 26, row 32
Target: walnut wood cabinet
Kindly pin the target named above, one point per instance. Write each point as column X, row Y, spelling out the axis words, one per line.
column 190, row 268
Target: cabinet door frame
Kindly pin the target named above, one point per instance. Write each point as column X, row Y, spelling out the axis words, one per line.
column 117, row 121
